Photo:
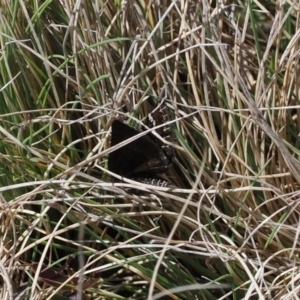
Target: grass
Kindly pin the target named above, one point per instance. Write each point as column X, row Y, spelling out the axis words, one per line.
column 229, row 77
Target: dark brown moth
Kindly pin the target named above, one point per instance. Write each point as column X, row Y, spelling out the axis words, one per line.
column 144, row 158
column 143, row 155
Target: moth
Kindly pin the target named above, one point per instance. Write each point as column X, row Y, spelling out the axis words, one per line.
column 144, row 158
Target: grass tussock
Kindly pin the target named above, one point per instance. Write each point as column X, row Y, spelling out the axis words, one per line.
column 228, row 74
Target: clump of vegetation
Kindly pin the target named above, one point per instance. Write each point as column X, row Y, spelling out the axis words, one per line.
column 226, row 227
